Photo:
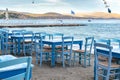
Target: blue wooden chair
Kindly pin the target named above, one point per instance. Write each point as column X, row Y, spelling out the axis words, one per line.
column 54, row 36
column 27, row 42
column 25, row 75
column 1, row 42
column 8, row 45
column 41, row 53
column 37, row 37
column 4, row 39
column 14, row 32
column 103, row 41
column 46, row 49
column 57, row 36
column 84, row 55
column 115, row 43
column 65, row 54
column 104, row 69
column 47, row 36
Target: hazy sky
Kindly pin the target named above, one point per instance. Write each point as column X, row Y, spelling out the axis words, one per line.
column 61, row 6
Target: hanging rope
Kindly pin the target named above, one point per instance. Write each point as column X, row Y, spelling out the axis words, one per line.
column 106, row 6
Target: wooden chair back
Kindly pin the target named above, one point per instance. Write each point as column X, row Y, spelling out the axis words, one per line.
column 21, row 76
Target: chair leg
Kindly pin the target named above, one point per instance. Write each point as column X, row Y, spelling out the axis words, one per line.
column 85, row 61
column 96, row 74
column 118, row 74
column 36, row 58
column 37, row 54
column 40, row 59
column 31, row 50
column 80, row 58
column 63, row 61
column 105, row 74
column 89, row 60
column 6, row 49
column 70, row 60
column 14, row 50
column 108, row 74
column 74, row 58
column 47, row 56
column 24, row 50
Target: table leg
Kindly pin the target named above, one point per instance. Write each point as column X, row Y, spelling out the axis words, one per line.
column 18, row 46
column 53, row 56
column 80, row 47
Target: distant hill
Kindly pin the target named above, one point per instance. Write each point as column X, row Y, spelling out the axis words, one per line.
column 14, row 15
column 99, row 15
column 53, row 15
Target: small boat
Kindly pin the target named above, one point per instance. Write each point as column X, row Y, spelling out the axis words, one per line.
column 89, row 20
column 61, row 21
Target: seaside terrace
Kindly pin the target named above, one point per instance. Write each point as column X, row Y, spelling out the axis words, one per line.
column 60, row 40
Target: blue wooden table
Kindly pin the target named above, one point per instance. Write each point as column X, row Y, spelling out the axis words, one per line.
column 18, row 39
column 54, row 42
column 115, row 54
column 12, row 70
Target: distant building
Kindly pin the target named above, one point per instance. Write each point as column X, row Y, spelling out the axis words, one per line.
column 6, row 14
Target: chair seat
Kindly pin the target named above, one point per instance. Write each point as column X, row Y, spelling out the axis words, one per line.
column 60, row 47
column 102, row 58
column 47, row 47
column 114, row 59
column 112, row 66
column 46, row 50
column 60, row 51
column 10, row 43
column 26, row 42
column 79, row 51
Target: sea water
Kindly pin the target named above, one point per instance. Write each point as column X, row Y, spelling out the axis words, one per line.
column 98, row 28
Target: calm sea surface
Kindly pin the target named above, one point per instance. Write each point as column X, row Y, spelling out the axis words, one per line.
column 98, row 28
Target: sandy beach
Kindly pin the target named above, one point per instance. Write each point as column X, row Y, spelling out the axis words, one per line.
column 74, row 72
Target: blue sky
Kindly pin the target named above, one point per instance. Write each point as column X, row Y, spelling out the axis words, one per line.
column 60, row 6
